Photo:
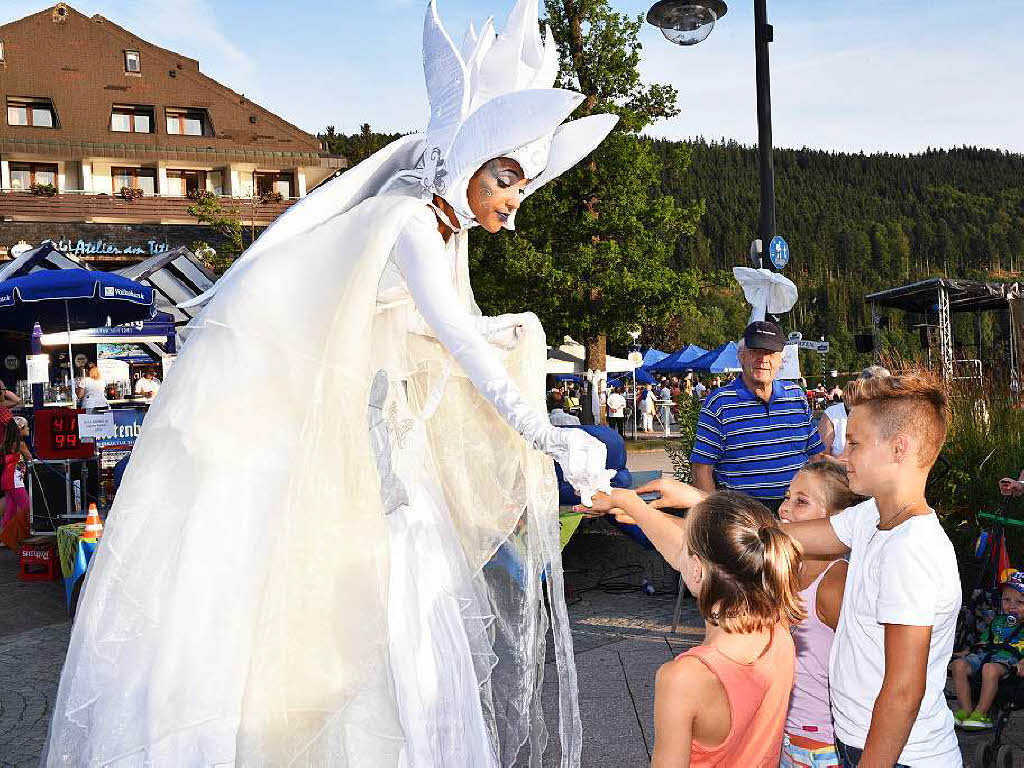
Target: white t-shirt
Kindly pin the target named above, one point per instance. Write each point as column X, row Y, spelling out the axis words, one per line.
column 616, row 405
column 95, row 392
column 837, row 415
column 699, row 389
column 904, row 576
column 146, row 386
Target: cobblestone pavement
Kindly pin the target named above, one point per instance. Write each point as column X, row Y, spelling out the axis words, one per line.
column 621, row 637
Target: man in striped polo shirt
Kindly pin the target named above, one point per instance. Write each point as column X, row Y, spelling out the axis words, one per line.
column 754, row 434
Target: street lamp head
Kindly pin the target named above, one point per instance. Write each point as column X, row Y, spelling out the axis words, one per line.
column 686, row 22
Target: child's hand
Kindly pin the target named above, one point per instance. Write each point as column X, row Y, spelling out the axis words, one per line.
column 674, row 494
column 1010, row 487
column 1020, row 668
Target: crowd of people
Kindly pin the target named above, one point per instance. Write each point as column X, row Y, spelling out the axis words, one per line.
column 831, row 626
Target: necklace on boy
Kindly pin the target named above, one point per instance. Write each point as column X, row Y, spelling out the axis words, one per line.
column 883, row 526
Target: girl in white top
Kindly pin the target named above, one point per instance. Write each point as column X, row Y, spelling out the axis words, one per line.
column 91, row 390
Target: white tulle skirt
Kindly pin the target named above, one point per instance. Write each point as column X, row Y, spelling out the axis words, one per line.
column 437, row 617
column 267, row 594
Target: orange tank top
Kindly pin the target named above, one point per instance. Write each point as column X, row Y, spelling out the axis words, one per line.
column 758, row 700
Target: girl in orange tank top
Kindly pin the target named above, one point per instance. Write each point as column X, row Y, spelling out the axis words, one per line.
column 724, row 702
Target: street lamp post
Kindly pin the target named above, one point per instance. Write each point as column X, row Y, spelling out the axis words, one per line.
column 688, row 22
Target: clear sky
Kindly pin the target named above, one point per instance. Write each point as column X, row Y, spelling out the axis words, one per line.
column 873, row 75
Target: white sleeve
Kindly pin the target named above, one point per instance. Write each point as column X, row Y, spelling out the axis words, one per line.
column 908, row 587
column 845, row 525
column 419, row 255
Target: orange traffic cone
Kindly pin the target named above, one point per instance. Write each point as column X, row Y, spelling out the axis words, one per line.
column 93, row 526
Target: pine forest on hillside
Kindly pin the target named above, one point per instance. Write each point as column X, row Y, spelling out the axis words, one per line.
column 855, row 224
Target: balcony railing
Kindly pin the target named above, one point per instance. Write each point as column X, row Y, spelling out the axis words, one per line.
column 17, row 205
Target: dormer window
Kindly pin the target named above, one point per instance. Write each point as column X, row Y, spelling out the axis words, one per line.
column 128, row 118
column 188, row 122
column 37, row 113
column 132, row 63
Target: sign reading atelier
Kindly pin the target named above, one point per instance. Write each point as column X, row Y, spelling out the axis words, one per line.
column 101, row 246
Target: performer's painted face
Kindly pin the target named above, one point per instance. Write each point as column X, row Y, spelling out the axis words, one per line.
column 495, row 191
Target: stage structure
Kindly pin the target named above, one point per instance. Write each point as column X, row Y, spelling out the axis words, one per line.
column 936, row 300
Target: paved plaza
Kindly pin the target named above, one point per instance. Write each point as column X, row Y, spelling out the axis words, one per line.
column 621, row 635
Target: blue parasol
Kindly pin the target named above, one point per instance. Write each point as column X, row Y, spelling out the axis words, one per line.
column 66, row 299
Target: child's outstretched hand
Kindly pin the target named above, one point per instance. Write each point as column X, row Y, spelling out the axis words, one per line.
column 1020, row 668
column 1010, row 487
column 674, row 494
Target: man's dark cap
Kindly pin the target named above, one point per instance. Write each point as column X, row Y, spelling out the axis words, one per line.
column 761, row 334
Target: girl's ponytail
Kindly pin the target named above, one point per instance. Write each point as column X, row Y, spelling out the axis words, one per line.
column 751, row 566
column 780, row 576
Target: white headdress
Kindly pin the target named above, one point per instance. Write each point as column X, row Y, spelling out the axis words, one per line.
column 491, row 98
column 496, row 98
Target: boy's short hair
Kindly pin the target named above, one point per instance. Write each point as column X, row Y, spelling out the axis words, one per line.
column 915, row 403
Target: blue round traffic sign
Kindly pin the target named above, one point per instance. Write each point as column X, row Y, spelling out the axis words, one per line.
column 778, row 252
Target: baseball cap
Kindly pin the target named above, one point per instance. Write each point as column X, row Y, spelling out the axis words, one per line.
column 1015, row 580
column 761, row 334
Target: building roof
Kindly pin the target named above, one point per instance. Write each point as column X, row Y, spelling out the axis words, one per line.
column 78, row 62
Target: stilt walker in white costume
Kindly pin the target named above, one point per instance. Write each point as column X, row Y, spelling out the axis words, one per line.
column 353, row 577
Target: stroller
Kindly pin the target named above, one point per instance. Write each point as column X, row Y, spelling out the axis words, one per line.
column 976, row 615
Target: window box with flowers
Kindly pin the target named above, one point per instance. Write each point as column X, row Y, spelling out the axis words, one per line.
column 43, row 190
column 131, row 194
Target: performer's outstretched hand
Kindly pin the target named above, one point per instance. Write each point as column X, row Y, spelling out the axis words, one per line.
column 582, row 459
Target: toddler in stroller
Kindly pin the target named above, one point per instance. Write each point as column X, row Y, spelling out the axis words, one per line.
column 998, row 654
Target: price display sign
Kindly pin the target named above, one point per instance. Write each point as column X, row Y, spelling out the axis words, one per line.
column 56, row 435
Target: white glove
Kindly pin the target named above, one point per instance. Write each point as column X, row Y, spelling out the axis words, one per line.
column 582, row 458
column 504, row 331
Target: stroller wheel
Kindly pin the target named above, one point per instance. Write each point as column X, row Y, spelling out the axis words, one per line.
column 1005, row 756
column 984, row 755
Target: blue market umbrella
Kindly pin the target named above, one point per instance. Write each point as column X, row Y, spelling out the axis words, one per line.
column 723, row 359
column 69, row 299
column 652, row 356
column 679, row 361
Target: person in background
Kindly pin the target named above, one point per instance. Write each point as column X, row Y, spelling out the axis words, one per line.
column 999, row 652
column 572, row 402
column 617, row 411
column 724, row 702
column 647, row 410
column 148, row 385
column 14, row 524
column 560, row 418
column 836, row 393
column 91, row 390
column 753, row 435
column 7, row 398
column 832, row 424
column 665, row 395
column 887, row 670
column 699, row 390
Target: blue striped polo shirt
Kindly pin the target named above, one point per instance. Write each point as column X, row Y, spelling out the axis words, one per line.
column 754, row 446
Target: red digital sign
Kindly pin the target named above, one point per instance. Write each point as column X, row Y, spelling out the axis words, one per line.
column 56, row 435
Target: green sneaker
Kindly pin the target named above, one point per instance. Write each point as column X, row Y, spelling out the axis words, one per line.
column 960, row 715
column 976, row 721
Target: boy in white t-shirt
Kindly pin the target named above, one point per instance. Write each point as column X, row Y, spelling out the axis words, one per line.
column 895, row 636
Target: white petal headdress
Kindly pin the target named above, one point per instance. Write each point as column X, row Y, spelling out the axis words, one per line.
column 494, row 97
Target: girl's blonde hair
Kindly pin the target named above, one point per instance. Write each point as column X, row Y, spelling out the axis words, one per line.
column 834, row 477
column 750, row 564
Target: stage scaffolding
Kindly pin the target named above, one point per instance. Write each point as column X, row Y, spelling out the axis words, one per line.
column 938, row 299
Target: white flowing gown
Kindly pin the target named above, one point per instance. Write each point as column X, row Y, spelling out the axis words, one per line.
column 353, row 577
